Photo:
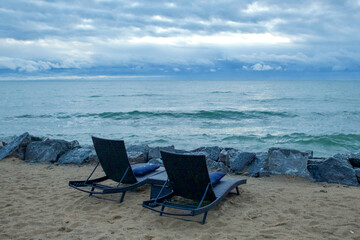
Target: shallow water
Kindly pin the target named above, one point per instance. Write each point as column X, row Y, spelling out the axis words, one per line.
column 323, row 116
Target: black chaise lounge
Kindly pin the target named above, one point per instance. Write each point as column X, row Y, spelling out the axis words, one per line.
column 115, row 163
column 189, row 178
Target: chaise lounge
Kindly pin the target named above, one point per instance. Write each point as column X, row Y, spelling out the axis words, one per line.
column 115, row 163
column 188, row 177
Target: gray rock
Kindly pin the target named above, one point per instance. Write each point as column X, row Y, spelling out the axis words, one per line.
column 313, row 167
column 354, row 159
column 256, row 167
column 47, row 151
column 212, row 153
column 227, row 154
column 241, row 160
column 17, row 145
column 217, row 166
column 77, row 156
column 157, row 161
column 335, row 170
column 155, row 152
column 288, row 162
column 137, row 157
column 357, row 173
column 138, row 148
column 138, row 153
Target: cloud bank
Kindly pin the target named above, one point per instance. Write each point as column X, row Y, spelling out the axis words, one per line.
column 179, row 36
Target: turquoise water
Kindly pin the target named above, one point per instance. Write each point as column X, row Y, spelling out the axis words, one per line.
column 323, row 116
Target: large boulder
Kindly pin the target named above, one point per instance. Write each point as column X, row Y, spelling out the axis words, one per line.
column 216, row 166
column 288, row 162
column 241, row 161
column 256, row 167
column 156, row 161
column 138, row 153
column 227, row 154
column 16, row 145
column 353, row 158
column 211, row 153
column 357, row 173
column 77, row 156
column 334, row 170
column 49, row 150
column 155, row 152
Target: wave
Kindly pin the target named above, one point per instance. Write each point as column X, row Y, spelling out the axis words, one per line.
column 213, row 115
column 348, row 141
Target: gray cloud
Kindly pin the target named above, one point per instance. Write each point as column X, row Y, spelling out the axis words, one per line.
column 163, row 36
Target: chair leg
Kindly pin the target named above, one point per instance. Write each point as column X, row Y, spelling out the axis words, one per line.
column 237, row 190
column 162, row 209
column 122, row 197
column 92, row 189
column 204, row 218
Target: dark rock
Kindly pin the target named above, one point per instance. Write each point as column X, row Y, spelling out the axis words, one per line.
column 211, row 153
column 36, row 139
column 138, row 148
column 217, row 166
column 313, row 167
column 157, row 161
column 334, row 170
column 138, row 153
column 242, row 160
column 17, row 145
column 137, row 157
column 48, row 150
column 357, row 173
column 77, row 156
column 354, row 159
column 155, row 152
column 227, row 154
column 256, row 167
column 287, row 161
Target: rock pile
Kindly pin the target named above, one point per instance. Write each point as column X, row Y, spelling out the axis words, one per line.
column 341, row 168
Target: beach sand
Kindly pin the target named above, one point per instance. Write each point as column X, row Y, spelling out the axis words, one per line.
column 36, row 203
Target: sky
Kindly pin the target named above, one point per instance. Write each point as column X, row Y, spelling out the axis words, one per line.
column 199, row 39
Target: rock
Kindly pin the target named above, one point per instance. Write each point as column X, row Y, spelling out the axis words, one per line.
column 288, row 162
column 227, row 154
column 157, row 161
column 354, row 159
column 137, row 157
column 313, row 167
column 48, row 150
column 357, row 173
column 18, row 145
column 217, row 166
column 155, row 152
column 334, row 170
column 138, row 153
column 138, row 148
column 241, row 160
column 211, row 153
column 256, row 167
column 77, row 156
column 1, row 144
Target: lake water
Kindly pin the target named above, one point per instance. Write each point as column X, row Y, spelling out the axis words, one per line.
column 323, row 116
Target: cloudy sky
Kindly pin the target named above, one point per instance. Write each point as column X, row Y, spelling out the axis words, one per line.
column 180, row 38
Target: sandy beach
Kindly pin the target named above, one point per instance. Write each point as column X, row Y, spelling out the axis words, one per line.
column 36, row 203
